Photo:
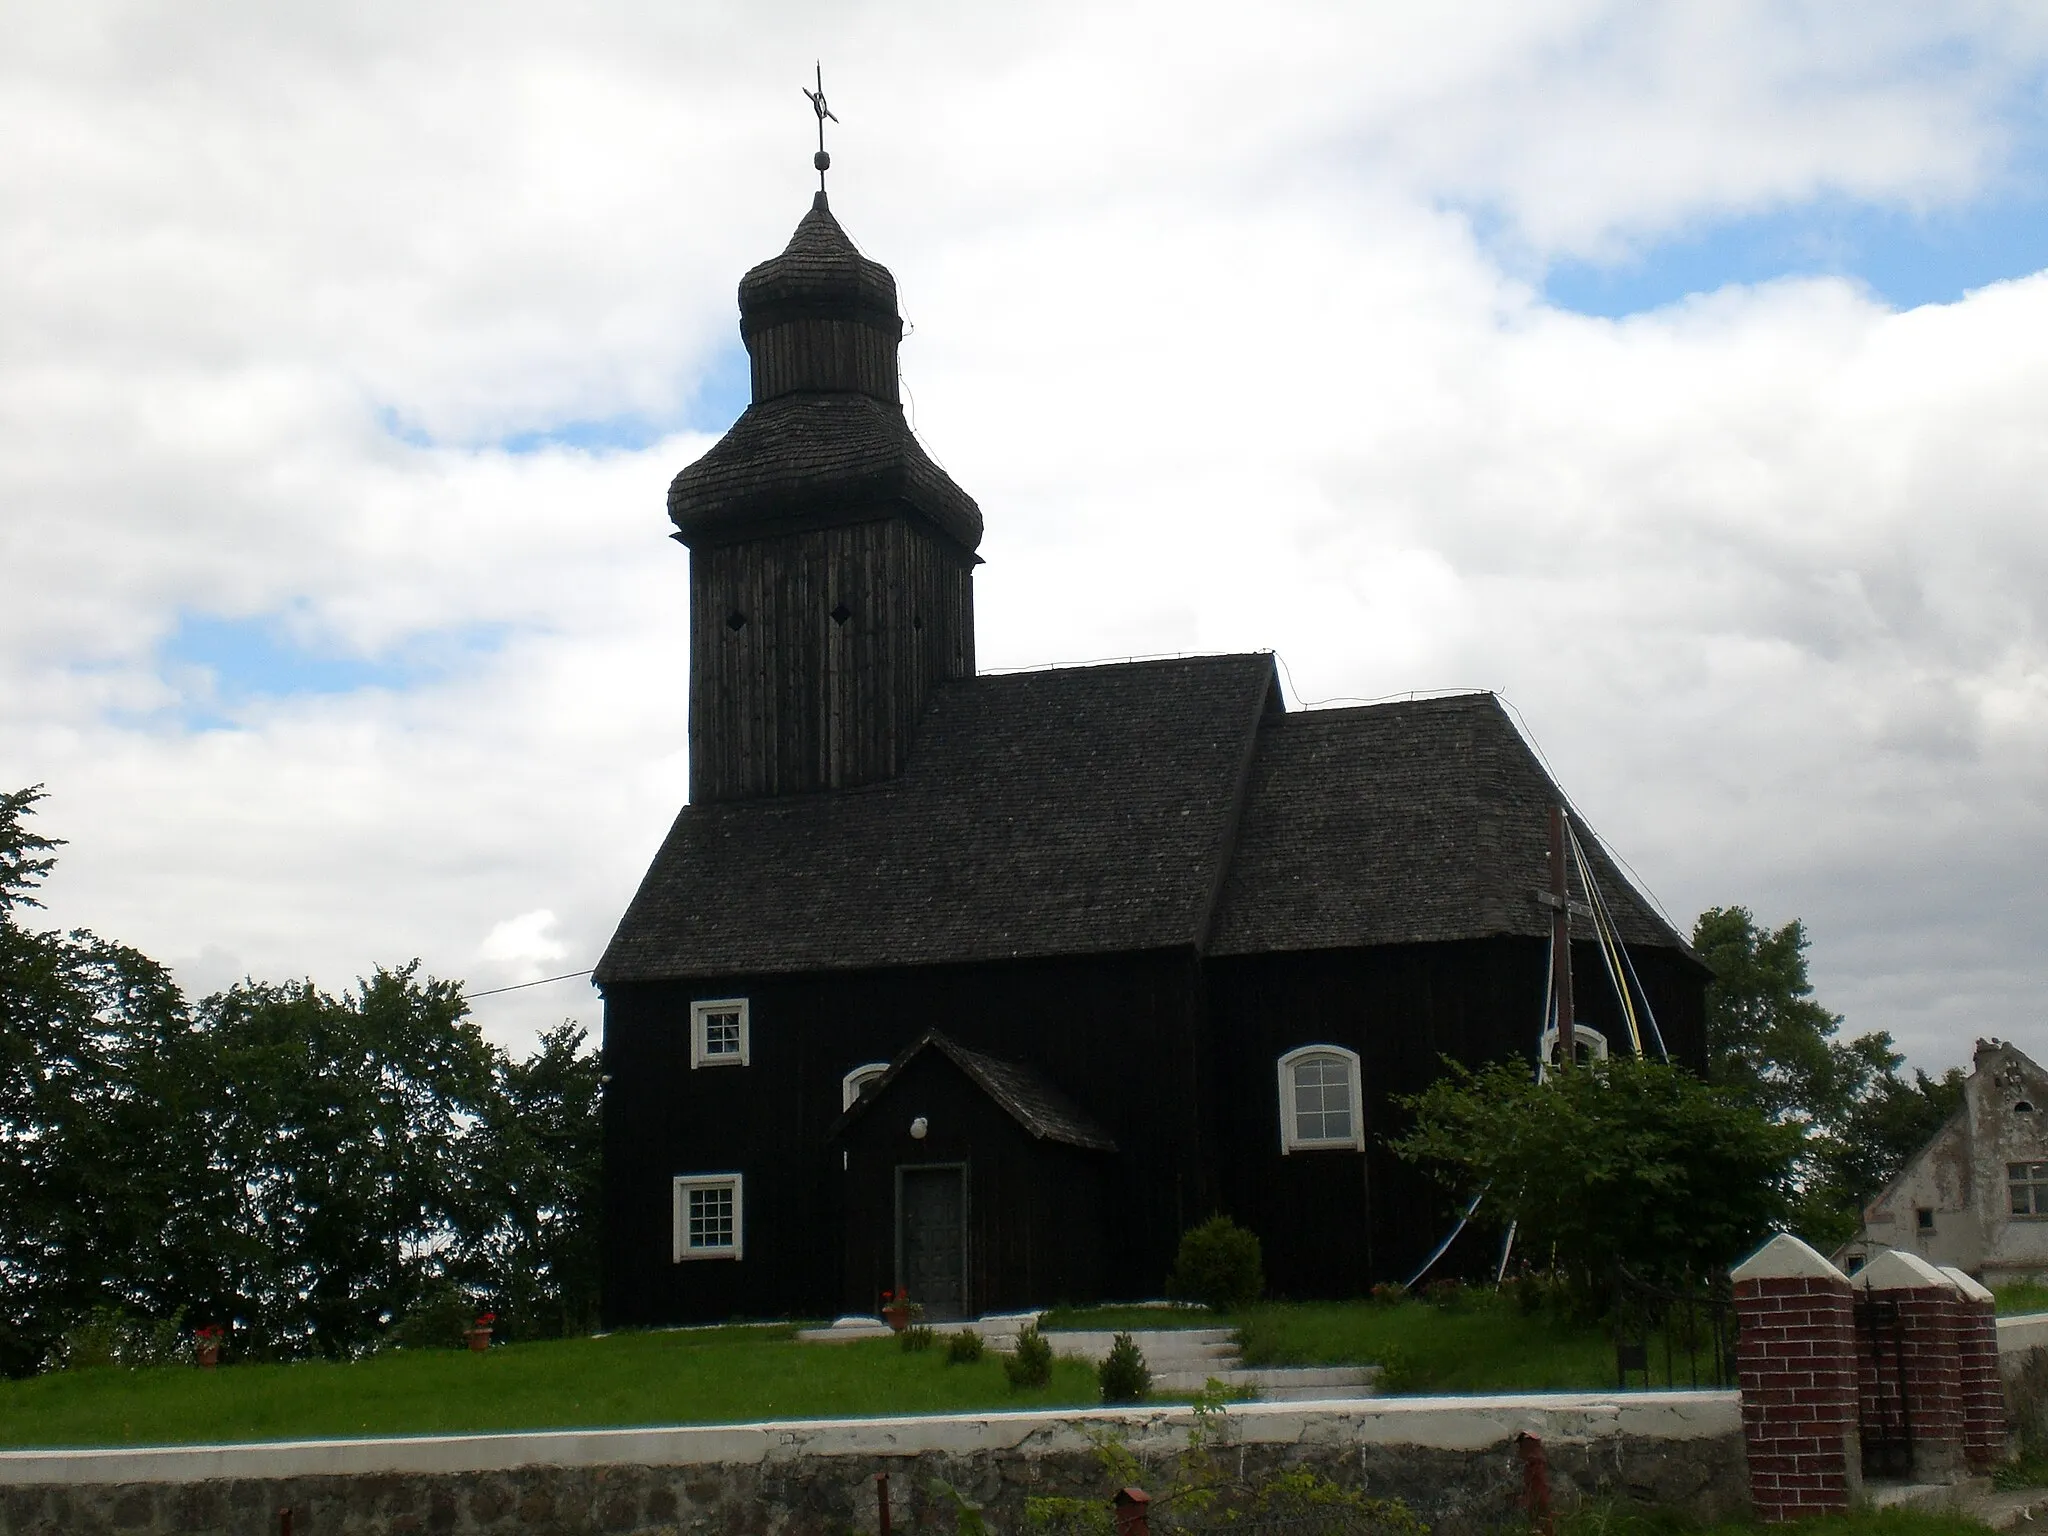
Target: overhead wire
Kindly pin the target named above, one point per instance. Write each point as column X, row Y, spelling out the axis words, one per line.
column 521, row 986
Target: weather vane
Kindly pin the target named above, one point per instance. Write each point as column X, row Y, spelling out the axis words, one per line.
column 821, row 160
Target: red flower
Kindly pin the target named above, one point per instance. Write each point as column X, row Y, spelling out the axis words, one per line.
column 487, row 1319
column 209, row 1333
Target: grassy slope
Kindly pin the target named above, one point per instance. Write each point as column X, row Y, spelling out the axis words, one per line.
column 2022, row 1298
column 692, row 1377
column 1484, row 1345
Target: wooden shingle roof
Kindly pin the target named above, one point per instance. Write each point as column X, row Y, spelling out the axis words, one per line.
column 1021, row 1091
column 1066, row 812
column 806, row 456
column 820, row 271
column 1131, row 807
column 1401, row 823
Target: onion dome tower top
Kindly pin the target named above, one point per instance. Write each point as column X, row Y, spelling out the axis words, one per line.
column 824, row 440
column 831, row 561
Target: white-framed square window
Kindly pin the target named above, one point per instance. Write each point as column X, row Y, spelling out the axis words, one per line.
column 719, row 1032
column 1319, row 1100
column 709, row 1216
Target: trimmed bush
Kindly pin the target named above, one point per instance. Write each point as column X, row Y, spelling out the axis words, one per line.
column 1123, row 1374
column 964, row 1347
column 916, row 1337
column 1031, row 1364
column 437, row 1321
column 1218, row 1265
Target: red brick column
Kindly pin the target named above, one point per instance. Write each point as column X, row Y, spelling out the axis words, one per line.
column 1929, row 1306
column 1796, row 1364
column 1983, row 1388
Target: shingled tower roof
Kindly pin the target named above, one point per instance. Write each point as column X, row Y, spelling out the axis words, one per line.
column 824, row 441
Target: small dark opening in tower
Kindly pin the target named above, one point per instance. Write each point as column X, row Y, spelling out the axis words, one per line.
column 841, row 613
column 917, row 621
column 2023, row 1108
column 735, row 621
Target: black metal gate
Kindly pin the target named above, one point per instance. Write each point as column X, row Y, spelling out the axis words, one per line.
column 1685, row 1333
column 1883, row 1417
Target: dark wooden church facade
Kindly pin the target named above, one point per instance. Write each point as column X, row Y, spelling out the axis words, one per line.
column 988, row 987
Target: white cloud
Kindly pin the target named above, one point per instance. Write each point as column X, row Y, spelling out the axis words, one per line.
column 1198, row 320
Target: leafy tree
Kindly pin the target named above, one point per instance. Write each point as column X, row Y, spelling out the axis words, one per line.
column 339, row 1131
column 85, row 1026
column 1772, row 1043
column 1767, row 1038
column 535, row 1166
column 1623, row 1161
column 1890, row 1123
column 307, row 1167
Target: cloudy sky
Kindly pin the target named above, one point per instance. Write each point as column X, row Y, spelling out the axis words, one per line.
column 1679, row 371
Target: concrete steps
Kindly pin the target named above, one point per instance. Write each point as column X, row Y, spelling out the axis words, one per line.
column 1180, row 1359
column 1187, row 1359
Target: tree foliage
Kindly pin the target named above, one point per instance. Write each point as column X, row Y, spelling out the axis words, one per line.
column 1620, row 1162
column 1772, row 1044
column 302, row 1167
column 1768, row 1039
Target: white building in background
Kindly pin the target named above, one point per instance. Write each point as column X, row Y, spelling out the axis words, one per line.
column 1976, row 1196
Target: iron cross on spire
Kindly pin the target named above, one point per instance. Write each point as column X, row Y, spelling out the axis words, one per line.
column 821, row 160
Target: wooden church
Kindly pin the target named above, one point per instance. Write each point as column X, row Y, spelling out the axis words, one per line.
column 988, row 987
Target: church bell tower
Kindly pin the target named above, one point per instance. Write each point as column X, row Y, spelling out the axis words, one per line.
column 831, row 561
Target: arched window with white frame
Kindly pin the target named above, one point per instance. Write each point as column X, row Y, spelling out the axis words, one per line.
column 1320, row 1102
column 851, row 1084
column 1588, row 1045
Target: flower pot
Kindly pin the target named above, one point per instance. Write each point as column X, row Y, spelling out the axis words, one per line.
column 479, row 1339
column 897, row 1318
column 209, row 1354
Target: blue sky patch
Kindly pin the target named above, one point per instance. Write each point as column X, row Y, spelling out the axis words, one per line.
column 252, row 659
column 723, row 391
column 1906, row 259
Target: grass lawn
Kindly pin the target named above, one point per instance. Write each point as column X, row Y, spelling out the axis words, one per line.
column 2022, row 1297
column 690, row 1377
column 1483, row 1344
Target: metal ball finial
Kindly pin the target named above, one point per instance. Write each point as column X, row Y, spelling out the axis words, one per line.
column 822, row 161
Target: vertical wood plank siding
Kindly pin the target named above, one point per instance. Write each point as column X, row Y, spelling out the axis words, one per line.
column 1172, row 1054
column 794, row 700
column 816, row 353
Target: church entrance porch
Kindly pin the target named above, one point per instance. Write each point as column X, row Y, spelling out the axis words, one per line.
column 973, row 1184
column 931, row 1238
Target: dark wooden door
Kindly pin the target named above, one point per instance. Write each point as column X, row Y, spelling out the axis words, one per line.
column 931, row 1237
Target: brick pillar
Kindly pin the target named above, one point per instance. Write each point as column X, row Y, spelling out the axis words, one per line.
column 1795, row 1359
column 1929, row 1306
column 1983, row 1387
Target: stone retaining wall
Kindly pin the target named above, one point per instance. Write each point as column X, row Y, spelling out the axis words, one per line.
column 1452, row 1459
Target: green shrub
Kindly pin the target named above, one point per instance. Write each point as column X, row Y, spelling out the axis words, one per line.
column 438, row 1320
column 916, row 1337
column 1398, row 1373
column 964, row 1347
column 110, row 1336
column 1388, row 1293
column 1123, row 1374
column 1531, row 1292
column 1218, row 1265
column 1030, row 1365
